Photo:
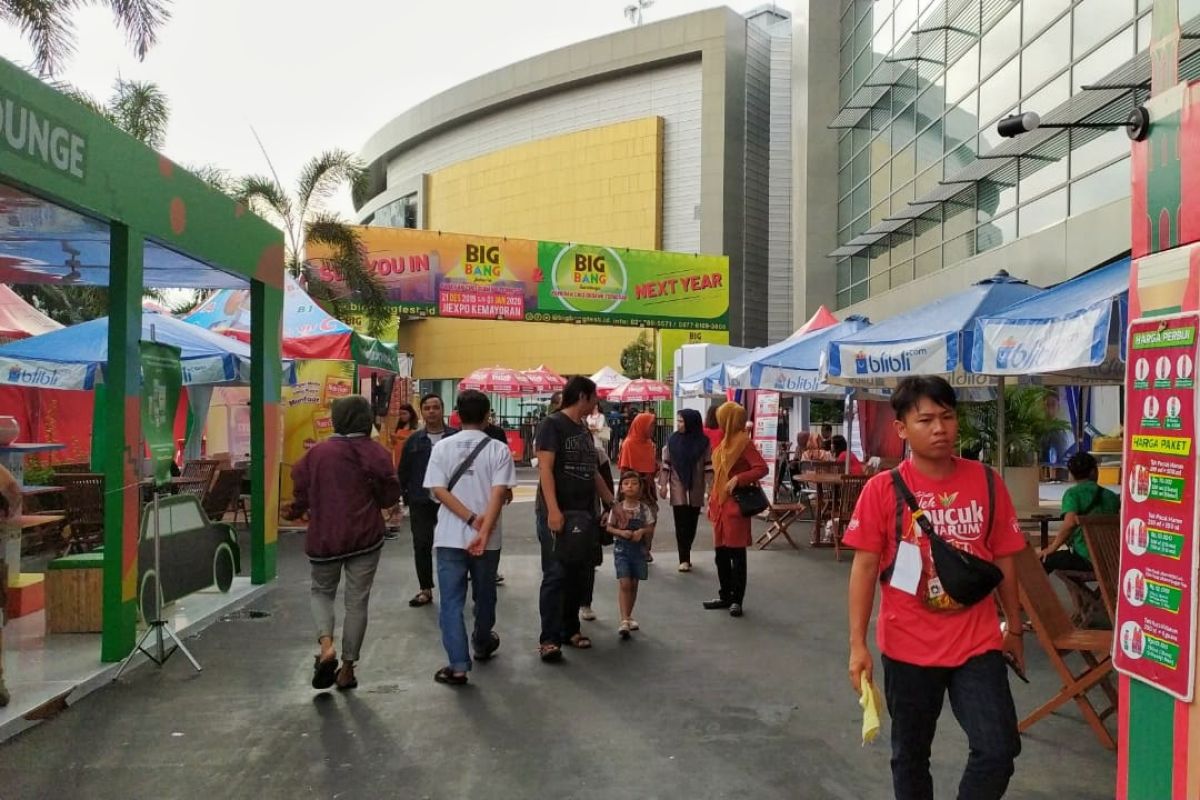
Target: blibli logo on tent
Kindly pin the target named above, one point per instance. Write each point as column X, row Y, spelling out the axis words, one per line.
column 885, row 362
column 1013, row 354
column 33, row 377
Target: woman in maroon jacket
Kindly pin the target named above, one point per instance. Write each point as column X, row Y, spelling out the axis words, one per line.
column 343, row 484
column 736, row 462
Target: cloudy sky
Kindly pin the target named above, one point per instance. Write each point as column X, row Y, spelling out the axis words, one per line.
column 312, row 74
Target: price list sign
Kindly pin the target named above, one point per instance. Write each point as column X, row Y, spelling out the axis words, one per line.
column 1156, row 609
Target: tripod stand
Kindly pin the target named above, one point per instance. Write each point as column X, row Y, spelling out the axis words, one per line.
column 158, row 627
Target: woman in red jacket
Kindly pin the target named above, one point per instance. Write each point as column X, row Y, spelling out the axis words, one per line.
column 736, row 462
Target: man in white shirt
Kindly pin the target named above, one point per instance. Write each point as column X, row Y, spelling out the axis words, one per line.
column 470, row 474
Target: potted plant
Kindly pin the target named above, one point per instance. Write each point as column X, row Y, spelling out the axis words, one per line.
column 1027, row 425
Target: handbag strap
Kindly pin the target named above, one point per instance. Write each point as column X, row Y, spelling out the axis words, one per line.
column 904, row 497
column 466, row 464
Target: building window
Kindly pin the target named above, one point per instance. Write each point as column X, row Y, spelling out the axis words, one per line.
column 401, row 213
column 1102, row 186
column 1042, row 213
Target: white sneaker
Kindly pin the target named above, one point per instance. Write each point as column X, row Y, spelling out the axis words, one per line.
column 624, row 629
column 586, row 613
column 633, row 625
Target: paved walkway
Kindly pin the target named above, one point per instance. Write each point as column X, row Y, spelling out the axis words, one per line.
column 699, row 705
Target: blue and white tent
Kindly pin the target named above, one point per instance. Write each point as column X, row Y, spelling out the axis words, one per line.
column 1072, row 333
column 792, row 366
column 706, row 383
column 75, row 357
column 932, row 339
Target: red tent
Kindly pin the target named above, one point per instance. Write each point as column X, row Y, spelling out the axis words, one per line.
column 19, row 320
column 823, row 318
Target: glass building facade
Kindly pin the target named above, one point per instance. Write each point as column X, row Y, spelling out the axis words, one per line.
column 922, row 86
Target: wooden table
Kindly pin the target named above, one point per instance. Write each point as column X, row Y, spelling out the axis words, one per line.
column 12, row 544
column 1042, row 516
column 35, row 491
column 821, row 480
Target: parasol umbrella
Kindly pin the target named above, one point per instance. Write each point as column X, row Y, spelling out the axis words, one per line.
column 498, row 380
column 641, row 390
column 545, row 380
column 608, row 379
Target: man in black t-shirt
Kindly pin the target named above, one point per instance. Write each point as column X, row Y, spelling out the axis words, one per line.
column 568, row 481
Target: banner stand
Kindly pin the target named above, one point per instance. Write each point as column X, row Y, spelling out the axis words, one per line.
column 164, row 375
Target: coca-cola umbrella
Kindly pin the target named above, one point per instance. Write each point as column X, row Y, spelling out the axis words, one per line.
column 498, row 380
column 641, row 390
column 545, row 380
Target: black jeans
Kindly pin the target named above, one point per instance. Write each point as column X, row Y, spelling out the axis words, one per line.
column 686, row 520
column 983, row 706
column 563, row 590
column 731, row 572
column 423, row 519
column 1066, row 560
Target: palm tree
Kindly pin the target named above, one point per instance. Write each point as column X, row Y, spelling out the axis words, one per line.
column 305, row 221
column 47, row 25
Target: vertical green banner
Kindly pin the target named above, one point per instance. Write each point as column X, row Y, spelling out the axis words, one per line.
column 162, row 379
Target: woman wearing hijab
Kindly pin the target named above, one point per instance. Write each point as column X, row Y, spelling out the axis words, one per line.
column 735, row 463
column 343, row 484
column 686, row 460
column 639, row 454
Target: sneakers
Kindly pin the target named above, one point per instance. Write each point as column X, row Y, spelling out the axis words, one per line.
column 585, row 612
column 685, row 567
column 717, row 605
column 735, row 609
column 624, row 630
column 633, row 625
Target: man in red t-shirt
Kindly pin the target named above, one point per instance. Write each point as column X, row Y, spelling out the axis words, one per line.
column 928, row 648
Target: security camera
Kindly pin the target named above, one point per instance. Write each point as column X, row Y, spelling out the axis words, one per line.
column 1018, row 124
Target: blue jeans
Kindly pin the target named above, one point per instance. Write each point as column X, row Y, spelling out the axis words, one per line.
column 983, row 705
column 454, row 566
column 564, row 589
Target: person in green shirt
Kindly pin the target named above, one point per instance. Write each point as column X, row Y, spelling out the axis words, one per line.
column 1084, row 498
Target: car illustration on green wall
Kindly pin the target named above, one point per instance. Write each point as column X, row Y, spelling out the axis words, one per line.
column 195, row 553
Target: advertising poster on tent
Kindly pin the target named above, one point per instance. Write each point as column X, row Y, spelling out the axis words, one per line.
column 766, row 428
column 307, row 419
column 162, row 379
column 1156, row 608
column 429, row 273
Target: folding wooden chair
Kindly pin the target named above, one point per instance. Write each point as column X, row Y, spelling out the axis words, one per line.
column 781, row 516
column 1102, row 532
column 848, row 494
column 1059, row 638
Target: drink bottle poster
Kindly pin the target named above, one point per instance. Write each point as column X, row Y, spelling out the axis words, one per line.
column 1155, row 628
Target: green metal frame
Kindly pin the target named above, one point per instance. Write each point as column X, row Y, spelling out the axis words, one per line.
column 96, row 169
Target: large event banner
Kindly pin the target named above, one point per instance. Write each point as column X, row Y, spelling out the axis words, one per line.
column 1160, row 552
column 429, row 273
column 307, row 418
column 162, row 380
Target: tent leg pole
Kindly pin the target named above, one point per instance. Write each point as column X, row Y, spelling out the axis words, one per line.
column 1001, row 437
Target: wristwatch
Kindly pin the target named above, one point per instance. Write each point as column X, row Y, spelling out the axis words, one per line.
column 471, row 520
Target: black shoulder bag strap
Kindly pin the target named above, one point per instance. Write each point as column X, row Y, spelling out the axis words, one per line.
column 466, row 464
column 904, row 497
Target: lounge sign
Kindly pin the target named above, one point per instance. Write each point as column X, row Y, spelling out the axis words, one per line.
column 32, row 135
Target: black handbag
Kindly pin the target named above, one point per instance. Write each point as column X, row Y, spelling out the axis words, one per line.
column 966, row 578
column 576, row 544
column 751, row 500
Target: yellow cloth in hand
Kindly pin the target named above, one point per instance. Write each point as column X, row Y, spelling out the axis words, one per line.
column 872, row 706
